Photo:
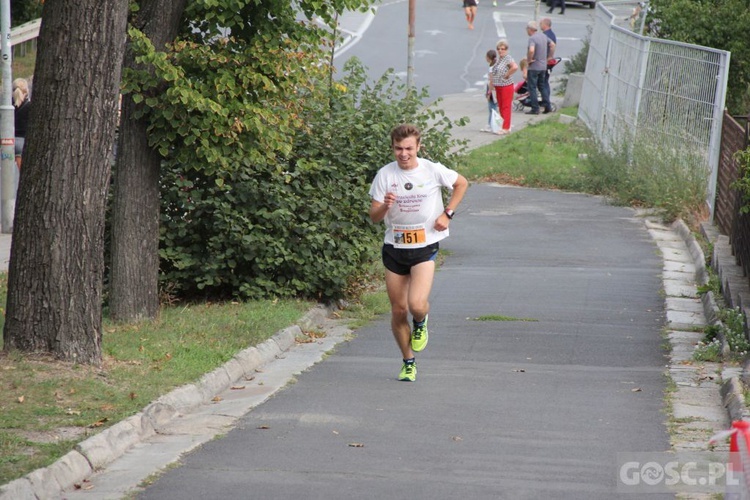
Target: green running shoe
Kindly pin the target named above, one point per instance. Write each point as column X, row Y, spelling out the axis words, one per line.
column 408, row 372
column 419, row 336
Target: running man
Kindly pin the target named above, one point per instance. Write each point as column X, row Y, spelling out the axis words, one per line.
column 407, row 195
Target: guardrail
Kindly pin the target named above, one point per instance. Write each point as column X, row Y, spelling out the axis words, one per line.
column 25, row 32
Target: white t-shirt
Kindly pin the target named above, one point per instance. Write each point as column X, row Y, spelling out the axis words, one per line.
column 410, row 222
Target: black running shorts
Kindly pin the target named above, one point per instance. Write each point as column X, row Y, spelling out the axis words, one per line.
column 401, row 260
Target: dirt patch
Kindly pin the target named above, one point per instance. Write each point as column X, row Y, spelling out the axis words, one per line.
column 55, row 435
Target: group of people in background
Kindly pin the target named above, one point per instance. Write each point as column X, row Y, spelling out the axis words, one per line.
column 540, row 48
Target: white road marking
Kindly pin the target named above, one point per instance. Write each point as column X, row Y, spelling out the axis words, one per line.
column 499, row 27
column 352, row 38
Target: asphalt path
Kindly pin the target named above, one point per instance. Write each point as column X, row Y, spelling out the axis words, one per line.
column 566, row 371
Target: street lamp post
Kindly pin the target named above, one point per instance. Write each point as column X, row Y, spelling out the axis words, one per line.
column 410, row 59
column 7, row 127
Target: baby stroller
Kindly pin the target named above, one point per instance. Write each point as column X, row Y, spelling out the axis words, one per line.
column 522, row 89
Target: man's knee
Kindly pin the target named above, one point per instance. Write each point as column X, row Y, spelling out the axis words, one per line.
column 419, row 308
column 399, row 312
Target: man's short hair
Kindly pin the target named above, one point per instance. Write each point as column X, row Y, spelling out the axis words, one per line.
column 532, row 26
column 403, row 131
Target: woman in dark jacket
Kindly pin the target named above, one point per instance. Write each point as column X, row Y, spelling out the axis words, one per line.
column 21, row 102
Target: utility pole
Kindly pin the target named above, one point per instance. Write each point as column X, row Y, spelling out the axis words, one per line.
column 410, row 60
column 7, row 126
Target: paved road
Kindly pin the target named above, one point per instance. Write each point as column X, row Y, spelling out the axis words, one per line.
column 537, row 406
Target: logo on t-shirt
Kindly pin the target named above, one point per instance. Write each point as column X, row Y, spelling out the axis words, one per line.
column 408, row 186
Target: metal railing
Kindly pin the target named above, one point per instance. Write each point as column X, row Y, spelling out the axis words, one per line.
column 666, row 93
column 23, row 38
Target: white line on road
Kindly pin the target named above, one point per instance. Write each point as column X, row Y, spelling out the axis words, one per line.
column 498, row 24
column 353, row 38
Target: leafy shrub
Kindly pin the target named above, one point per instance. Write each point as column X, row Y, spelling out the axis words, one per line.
column 25, row 10
column 295, row 223
column 732, row 330
column 577, row 63
column 742, row 183
column 695, row 22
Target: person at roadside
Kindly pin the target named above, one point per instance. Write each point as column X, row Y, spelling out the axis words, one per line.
column 470, row 11
column 554, row 4
column 21, row 103
column 546, row 26
column 539, row 50
column 489, row 91
column 501, row 74
column 407, row 195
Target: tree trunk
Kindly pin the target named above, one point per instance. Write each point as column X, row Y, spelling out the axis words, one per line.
column 57, row 258
column 134, row 268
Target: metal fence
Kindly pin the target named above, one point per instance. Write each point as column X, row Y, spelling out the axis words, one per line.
column 642, row 90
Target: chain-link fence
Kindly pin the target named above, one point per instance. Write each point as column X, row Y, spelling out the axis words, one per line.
column 642, row 91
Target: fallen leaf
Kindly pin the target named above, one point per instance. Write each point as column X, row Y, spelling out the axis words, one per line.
column 635, row 389
column 250, row 378
column 336, row 432
column 167, row 356
column 21, row 399
column 264, row 427
column 216, row 399
column 237, row 387
column 356, row 445
column 457, row 438
column 132, row 395
column 70, row 411
column 108, row 407
column 519, row 370
column 99, row 423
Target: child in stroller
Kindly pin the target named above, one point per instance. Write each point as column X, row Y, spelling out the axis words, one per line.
column 522, row 89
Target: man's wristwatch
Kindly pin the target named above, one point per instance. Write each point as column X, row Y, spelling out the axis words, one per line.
column 449, row 213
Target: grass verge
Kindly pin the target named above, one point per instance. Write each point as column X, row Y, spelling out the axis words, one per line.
column 47, row 406
column 558, row 154
column 557, row 158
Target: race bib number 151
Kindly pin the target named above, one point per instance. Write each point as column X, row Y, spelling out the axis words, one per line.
column 409, row 236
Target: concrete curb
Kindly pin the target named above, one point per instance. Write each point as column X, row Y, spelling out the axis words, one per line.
column 732, row 393
column 96, row 452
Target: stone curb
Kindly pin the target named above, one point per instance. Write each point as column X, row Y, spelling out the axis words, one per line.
column 98, row 451
column 731, row 390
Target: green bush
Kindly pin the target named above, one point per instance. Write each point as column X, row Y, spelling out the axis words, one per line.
column 742, row 183
column 577, row 63
column 295, row 224
column 23, row 11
